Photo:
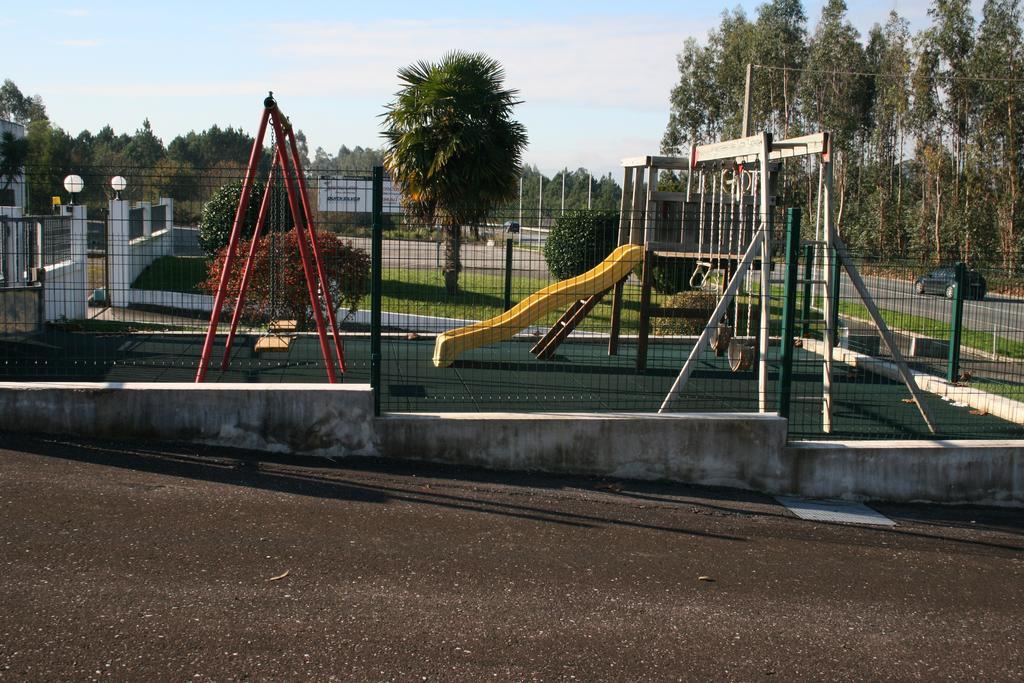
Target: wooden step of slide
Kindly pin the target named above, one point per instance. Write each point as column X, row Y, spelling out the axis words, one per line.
column 545, row 348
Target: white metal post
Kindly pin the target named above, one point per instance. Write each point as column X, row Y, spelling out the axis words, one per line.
column 766, row 279
column 119, row 277
column 540, row 200
column 520, row 204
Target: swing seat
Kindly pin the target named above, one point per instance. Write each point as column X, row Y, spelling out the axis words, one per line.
column 741, row 355
column 721, row 339
column 275, row 340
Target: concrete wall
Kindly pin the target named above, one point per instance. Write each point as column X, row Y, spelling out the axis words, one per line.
column 725, row 449
column 178, row 300
column 956, row 471
column 186, row 241
column 64, row 282
column 64, row 286
column 737, row 450
column 13, row 254
column 329, row 419
column 21, row 310
column 127, row 258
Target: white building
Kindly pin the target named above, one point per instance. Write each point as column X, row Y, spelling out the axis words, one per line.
column 15, row 194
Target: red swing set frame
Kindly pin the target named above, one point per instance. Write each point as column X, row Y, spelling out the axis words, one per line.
column 286, row 161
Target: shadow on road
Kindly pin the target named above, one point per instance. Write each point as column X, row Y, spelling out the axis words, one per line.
column 377, row 480
column 323, row 478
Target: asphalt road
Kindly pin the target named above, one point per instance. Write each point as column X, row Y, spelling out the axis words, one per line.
column 422, row 254
column 1002, row 314
column 165, row 562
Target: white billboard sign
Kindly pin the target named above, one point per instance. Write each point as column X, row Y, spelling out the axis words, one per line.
column 354, row 195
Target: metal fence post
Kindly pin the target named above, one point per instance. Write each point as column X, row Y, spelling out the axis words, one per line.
column 789, row 310
column 376, row 254
column 805, row 307
column 508, row 273
column 956, row 322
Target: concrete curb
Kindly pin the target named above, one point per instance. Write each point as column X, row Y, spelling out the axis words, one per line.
column 954, row 471
column 1000, row 406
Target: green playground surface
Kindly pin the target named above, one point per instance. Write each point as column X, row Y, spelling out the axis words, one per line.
column 506, row 377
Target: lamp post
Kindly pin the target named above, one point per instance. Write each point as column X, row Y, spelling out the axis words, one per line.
column 73, row 184
column 118, row 183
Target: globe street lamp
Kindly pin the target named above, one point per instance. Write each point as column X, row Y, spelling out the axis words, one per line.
column 73, row 184
column 118, row 183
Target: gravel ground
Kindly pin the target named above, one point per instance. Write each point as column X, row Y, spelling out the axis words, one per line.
column 151, row 561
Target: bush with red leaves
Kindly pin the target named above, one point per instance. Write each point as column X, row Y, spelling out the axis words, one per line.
column 277, row 287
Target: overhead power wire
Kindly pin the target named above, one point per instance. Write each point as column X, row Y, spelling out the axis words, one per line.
column 995, row 79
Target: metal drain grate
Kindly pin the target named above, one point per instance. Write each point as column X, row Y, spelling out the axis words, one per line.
column 835, row 511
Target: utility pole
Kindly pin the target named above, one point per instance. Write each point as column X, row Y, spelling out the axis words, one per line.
column 590, row 186
column 563, row 188
column 746, row 100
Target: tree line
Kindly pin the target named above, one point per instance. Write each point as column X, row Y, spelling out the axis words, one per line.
column 926, row 126
column 193, row 165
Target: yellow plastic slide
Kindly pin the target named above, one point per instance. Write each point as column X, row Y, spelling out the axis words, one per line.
column 531, row 309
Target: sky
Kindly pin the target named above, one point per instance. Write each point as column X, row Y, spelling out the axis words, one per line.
column 594, row 77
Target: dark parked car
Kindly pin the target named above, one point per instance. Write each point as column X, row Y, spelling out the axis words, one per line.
column 941, row 280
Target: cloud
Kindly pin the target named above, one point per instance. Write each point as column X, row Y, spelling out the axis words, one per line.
column 177, row 90
column 81, row 42
column 626, row 62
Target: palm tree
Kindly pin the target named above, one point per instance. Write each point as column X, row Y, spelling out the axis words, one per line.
column 452, row 148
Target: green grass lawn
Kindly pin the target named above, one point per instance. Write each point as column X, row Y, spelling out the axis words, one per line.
column 173, row 274
column 481, row 296
column 117, row 326
column 409, row 290
column 973, row 339
column 1004, row 389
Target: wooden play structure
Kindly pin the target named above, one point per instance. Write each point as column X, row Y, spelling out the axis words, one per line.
column 722, row 228
column 280, row 333
column 723, row 223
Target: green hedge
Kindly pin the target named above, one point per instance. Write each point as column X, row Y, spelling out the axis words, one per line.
column 580, row 240
column 219, row 214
